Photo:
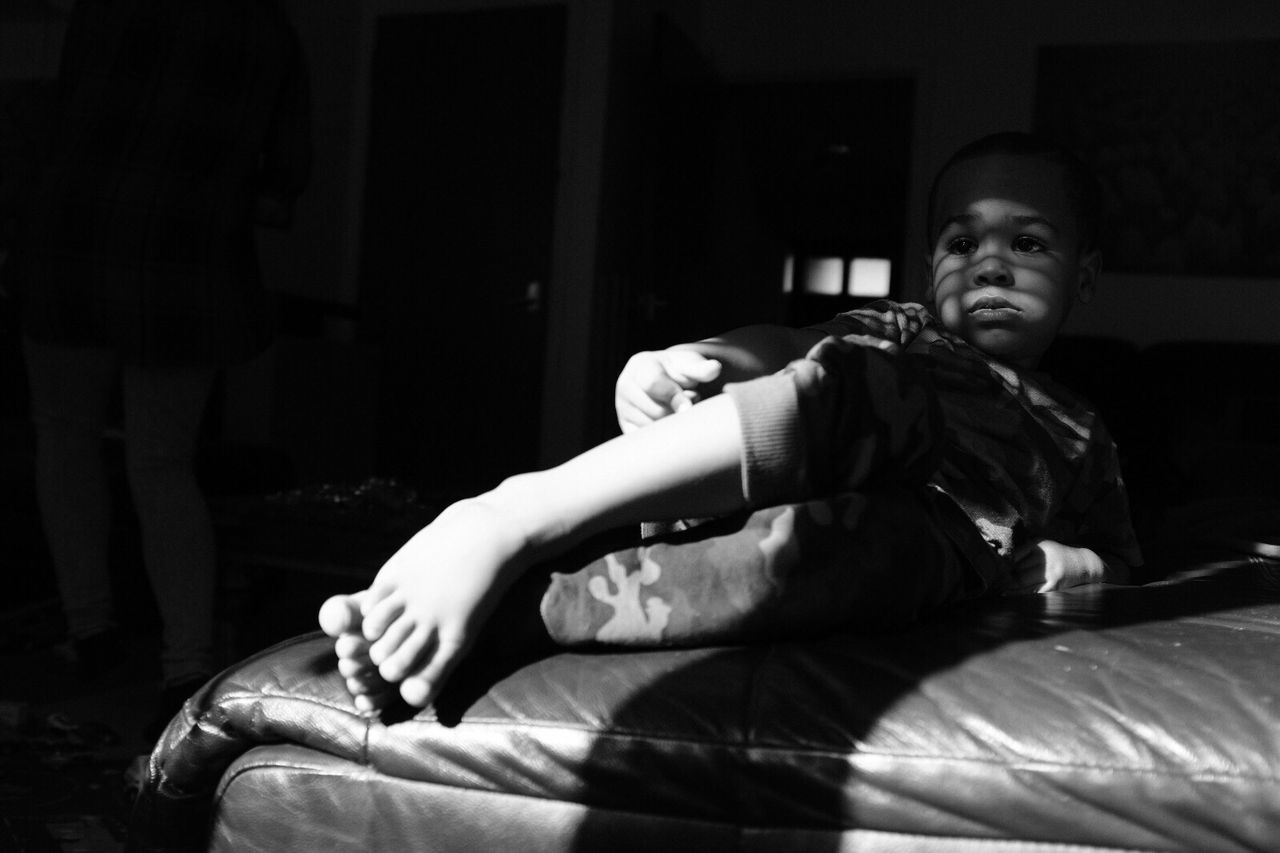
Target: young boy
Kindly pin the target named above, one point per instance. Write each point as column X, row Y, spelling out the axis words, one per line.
column 859, row 473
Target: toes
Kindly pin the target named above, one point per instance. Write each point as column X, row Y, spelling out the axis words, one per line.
column 357, row 670
column 340, row 615
column 391, row 640
column 407, row 655
column 380, row 616
column 351, row 647
column 358, row 686
column 416, row 691
column 372, row 685
column 355, row 667
column 369, row 703
column 419, row 687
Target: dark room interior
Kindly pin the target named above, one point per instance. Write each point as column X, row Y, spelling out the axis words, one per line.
column 510, row 197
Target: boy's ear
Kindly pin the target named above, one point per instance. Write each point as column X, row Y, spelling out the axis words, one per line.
column 1090, row 267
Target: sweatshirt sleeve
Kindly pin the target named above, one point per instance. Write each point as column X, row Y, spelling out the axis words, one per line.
column 1098, row 507
column 841, row 419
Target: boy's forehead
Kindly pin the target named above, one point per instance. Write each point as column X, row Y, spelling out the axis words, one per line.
column 1027, row 181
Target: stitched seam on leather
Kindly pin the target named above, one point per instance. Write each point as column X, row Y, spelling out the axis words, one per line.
column 743, row 829
column 1030, row 765
column 242, row 695
column 753, row 694
column 743, row 750
column 748, row 746
column 1033, row 764
column 228, row 779
column 986, row 843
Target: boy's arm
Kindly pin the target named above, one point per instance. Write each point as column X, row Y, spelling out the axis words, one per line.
column 753, row 351
column 843, row 416
column 1103, row 545
column 1099, row 507
column 760, row 350
column 655, row 384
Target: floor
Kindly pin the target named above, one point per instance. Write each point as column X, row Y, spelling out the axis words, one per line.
column 70, row 749
column 66, row 744
column 40, row 682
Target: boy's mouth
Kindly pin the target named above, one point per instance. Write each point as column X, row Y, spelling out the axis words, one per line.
column 994, row 304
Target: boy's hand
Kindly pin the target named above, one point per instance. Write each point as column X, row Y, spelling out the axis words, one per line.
column 654, row 385
column 1050, row 565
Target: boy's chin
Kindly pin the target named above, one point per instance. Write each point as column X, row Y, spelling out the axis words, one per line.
column 1007, row 346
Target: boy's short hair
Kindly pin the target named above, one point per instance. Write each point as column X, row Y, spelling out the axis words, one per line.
column 1082, row 186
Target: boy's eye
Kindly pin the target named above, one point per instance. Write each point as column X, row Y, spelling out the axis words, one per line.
column 1027, row 245
column 961, row 246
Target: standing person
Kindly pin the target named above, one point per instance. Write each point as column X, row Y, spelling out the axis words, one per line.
column 179, row 126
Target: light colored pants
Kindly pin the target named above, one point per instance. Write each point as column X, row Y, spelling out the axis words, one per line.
column 70, row 393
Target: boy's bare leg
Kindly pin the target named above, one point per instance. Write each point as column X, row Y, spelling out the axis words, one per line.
column 425, row 607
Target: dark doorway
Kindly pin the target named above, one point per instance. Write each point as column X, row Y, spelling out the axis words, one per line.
column 456, row 252
column 744, row 174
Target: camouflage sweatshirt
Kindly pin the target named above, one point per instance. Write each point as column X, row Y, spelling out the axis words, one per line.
column 1014, row 458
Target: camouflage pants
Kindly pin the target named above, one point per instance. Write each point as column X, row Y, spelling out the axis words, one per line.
column 856, row 562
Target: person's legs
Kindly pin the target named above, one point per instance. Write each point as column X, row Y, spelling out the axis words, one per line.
column 70, row 388
column 854, row 563
column 163, row 408
column 851, row 563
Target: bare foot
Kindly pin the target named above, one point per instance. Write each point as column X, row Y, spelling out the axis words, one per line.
column 340, row 618
column 427, row 604
column 341, row 615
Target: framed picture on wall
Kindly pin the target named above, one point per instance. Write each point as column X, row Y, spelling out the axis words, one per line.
column 1186, row 141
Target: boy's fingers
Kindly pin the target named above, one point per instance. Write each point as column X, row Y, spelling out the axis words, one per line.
column 631, row 419
column 654, row 385
column 648, row 400
column 683, row 400
column 688, row 368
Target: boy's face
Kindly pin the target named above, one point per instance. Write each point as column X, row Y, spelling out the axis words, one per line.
column 1007, row 263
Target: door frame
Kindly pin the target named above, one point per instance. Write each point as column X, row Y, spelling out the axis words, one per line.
column 572, row 285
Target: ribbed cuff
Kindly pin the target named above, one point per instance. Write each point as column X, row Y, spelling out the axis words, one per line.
column 768, row 409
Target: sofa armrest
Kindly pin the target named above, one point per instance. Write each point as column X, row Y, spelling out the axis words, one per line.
column 290, row 693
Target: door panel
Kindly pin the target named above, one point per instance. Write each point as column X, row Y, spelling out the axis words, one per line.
column 456, row 251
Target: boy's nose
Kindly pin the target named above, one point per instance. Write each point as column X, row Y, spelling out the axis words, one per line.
column 991, row 271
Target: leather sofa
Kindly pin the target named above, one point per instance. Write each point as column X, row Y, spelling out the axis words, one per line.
column 1108, row 718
